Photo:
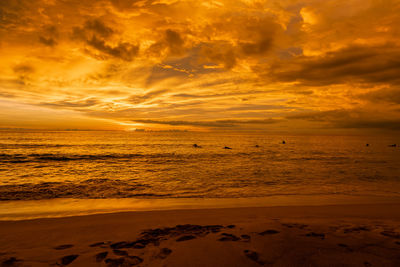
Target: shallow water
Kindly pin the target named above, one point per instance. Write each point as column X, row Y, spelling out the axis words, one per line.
column 93, row 165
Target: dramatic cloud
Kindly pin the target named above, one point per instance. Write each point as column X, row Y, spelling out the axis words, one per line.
column 363, row 64
column 360, row 119
column 276, row 65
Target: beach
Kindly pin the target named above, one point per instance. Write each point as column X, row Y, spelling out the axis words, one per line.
column 184, row 133
column 152, row 199
column 328, row 235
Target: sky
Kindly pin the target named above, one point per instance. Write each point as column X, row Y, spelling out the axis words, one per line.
column 244, row 65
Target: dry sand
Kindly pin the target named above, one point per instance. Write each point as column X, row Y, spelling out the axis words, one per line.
column 341, row 235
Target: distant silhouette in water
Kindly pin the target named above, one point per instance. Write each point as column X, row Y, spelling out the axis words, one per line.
column 257, row 146
column 227, row 147
column 394, row 145
column 283, row 142
column 196, row 146
column 367, row 145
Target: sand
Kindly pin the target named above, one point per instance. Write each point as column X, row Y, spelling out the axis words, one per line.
column 337, row 235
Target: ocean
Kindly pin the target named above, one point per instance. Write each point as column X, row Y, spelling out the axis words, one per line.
column 37, row 166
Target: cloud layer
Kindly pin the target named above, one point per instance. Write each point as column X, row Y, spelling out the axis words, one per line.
column 284, row 65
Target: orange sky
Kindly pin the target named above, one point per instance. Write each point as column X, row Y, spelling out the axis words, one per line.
column 288, row 65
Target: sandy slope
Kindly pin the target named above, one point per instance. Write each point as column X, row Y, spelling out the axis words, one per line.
column 342, row 235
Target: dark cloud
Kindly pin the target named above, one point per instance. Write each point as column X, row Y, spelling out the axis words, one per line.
column 47, row 41
column 72, row 104
column 354, row 119
column 170, row 42
column 257, row 48
column 217, row 123
column 218, row 53
column 12, row 13
column 174, row 41
column 49, row 36
column 23, row 69
column 137, row 99
column 186, row 96
column 124, row 5
column 24, row 72
column 257, row 107
column 124, row 51
column 219, row 95
column 98, row 27
column 389, row 95
column 96, row 34
column 6, row 95
column 366, row 64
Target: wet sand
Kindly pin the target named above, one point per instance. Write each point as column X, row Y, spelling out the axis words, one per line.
column 336, row 235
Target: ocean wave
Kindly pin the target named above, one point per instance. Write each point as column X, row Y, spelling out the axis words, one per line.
column 17, row 158
column 163, row 157
column 91, row 188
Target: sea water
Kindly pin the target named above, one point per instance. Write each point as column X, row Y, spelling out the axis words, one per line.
column 37, row 166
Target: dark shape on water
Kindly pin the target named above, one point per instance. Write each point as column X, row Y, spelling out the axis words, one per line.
column 196, row 146
column 367, row 145
column 283, row 142
column 394, row 145
column 256, row 146
column 227, row 147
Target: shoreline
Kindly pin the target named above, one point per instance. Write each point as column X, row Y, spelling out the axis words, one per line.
column 59, row 208
column 327, row 235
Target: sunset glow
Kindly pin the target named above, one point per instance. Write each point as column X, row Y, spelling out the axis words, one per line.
column 291, row 65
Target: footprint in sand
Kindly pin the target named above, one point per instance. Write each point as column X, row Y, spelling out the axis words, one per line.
column 391, row 234
column 126, row 261
column 101, row 256
column 185, row 238
column 12, row 261
column 120, row 252
column 245, row 238
column 67, row 260
column 269, row 232
column 115, row 262
column 312, row 234
column 254, row 256
column 100, row 244
column 61, row 247
column 228, row 237
column 164, row 253
column 295, row 225
column 345, row 246
column 356, row 229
